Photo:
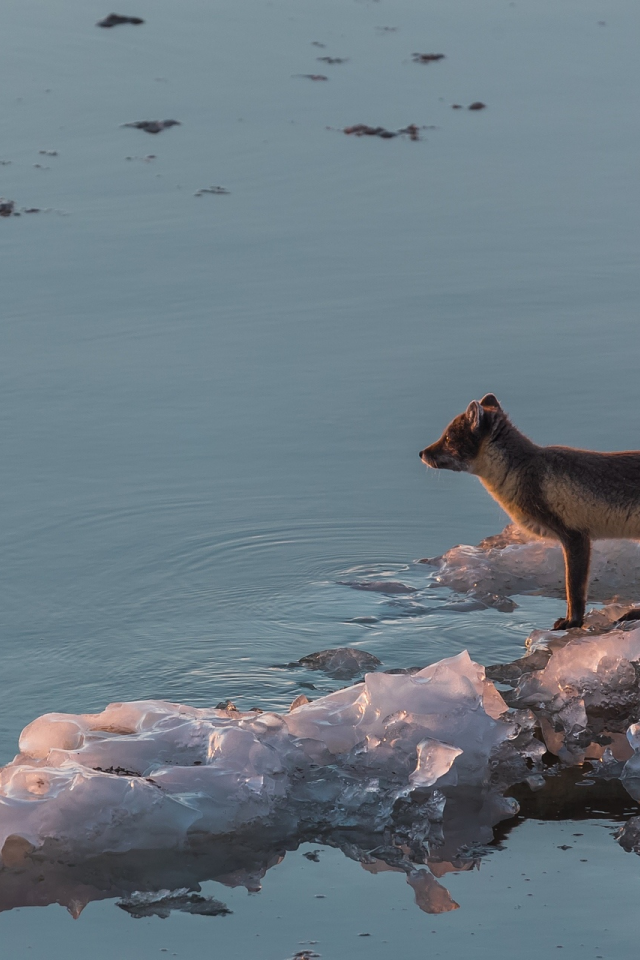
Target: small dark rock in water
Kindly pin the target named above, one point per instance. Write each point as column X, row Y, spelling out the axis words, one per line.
column 218, row 191
column 378, row 586
column 141, row 905
column 454, row 106
column 426, row 57
column 312, row 855
column 341, row 663
column 305, row 955
column 364, row 621
column 7, row 207
column 152, row 126
column 331, row 59
column 48, row 153
column 114, row 19
column 32, row 210
column 312, row 76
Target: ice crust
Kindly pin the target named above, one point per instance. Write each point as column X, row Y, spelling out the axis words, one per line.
column 513, row 562
column 150, row 774
column 442, row 743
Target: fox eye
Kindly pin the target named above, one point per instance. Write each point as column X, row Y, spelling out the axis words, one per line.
column 446, row 438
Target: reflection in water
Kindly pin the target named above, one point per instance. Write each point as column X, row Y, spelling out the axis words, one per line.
column 46, row 876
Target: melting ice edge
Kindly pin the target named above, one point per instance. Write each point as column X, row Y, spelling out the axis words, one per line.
column 412, row 769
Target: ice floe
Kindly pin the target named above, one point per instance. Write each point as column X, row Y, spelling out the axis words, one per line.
column 151, row 774
column 513, row 562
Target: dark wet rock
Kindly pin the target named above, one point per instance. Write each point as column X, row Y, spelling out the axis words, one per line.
column 141, row 905
column 512, row 672
column 311, row 76
column 378, row 586
column 332, row 59
column 115, row 19
column 48, row 153
column 427, row 57
column 363, row 130
column 152, row 126
column 341, row 663
column 7, row 207
column 218, row 191
column 32, row 210
column 227, row 705
column 313, row 855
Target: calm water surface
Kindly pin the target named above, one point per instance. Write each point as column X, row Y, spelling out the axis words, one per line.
column 211, row 406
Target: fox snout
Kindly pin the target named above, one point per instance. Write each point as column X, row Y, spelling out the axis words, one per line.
column 441, row 458
column 428, row 457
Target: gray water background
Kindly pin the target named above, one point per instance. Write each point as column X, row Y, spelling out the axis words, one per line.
column 211, row 406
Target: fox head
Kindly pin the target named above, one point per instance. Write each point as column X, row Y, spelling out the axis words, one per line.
column 460, row 443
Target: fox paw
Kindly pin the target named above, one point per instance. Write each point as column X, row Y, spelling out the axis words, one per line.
column 565, row 624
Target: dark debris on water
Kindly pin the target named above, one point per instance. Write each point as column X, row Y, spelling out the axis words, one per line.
column 476, row 105
column 218, row 191
column 427, row 57
column 114, row 19
column 362, row 130
column 152, row 126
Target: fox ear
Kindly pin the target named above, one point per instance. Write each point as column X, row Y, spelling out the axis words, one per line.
column 491, row 401
column 475, row 415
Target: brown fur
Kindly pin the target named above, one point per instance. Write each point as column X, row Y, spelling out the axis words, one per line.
column 574, row 496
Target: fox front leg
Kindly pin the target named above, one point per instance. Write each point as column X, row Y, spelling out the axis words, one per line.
column 577, row 553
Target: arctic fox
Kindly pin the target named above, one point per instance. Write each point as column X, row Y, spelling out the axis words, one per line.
column 574, row 496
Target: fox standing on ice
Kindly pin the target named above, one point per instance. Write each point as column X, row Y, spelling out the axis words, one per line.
column 574, row 496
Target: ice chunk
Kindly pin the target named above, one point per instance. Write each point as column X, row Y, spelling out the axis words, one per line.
column 582, row 686
column 151, row 774
column 513, row 562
